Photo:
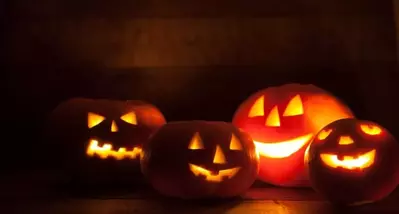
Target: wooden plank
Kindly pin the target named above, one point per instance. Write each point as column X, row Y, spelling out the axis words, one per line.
column 377, row 39
column 124, row 206
column 194, row 8
column 43, row 184
column 396, row 20
column 149, row 207
column 202, row 42
column 182, row 92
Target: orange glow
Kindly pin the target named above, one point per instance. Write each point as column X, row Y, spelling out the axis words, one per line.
column 258, row 108
column 282, row 149
column 196, row 142
column 371, row 129
column 106, row 151
column 94, row 119
column 114, row 127
column 306, row 156
column 130, row 118
column 294, row 107
column 235, row 143
column 362, row 161
column 219, row 157
column 324, row 109
column 345, row 140
column 324, row 134
column 273, row 119
column 222, row 174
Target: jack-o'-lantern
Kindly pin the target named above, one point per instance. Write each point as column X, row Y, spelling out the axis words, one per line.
column 353, row 162
column 200, row 159
column 282, row 121
column 105, row 134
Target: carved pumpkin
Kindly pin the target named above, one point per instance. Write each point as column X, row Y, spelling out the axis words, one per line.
column 102, row 135
column 200, row 159
column 353, row 162
column 282, row 121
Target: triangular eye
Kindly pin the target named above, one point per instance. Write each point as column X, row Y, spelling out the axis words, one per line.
column 235, row 143
column 257, row 108
column 324, row 134
column 130, row 118
column 294, row 107
column 94, row 119
column 370, row 129
column 196, row 142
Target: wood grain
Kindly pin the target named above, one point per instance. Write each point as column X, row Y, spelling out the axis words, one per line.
column 125, row 206
column 396, row 18
column 203, row 42
column 116, row 9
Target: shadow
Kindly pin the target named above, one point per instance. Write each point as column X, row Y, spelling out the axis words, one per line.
column 173, row 205
column 263, row 191
column 75, row 189
column 377, row 207
column 261, row 184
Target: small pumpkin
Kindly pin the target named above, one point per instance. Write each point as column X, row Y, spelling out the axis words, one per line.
column 282, row 120
column 200, row 159
column 353, row 162
column 102, row 137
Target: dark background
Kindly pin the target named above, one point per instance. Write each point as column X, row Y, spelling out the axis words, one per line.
column 193, row 59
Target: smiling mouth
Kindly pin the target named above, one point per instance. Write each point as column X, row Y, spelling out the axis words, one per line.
column 282, row 149
column 106, row 151
column 209, row 176
column 362, row 161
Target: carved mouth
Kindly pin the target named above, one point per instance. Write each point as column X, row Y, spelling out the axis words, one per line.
column 361, row 161
column 212, row 177
column 282, row 149
column 105, row 151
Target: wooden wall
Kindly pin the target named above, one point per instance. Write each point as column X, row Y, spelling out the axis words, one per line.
column 198, row 59
column 396, row 15
column 160, row 33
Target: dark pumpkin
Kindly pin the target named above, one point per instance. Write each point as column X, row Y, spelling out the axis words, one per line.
column 200, row 159
column 353, row 162
column 282, row 120
column 101, row 139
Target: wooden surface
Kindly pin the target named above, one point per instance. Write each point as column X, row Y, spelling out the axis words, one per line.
column 33, row 193
column 127, row 206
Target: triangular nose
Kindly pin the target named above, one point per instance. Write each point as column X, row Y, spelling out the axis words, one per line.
column 114, row 127
column 345, row 140
column 273, row 119
column 219, row 156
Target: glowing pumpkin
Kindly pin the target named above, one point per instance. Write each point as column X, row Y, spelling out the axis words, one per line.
column 200, row 159
column 353, row 162
column 282, row 121
column 102, row 136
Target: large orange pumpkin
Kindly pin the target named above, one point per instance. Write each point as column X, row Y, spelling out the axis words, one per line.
column 282, row 121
